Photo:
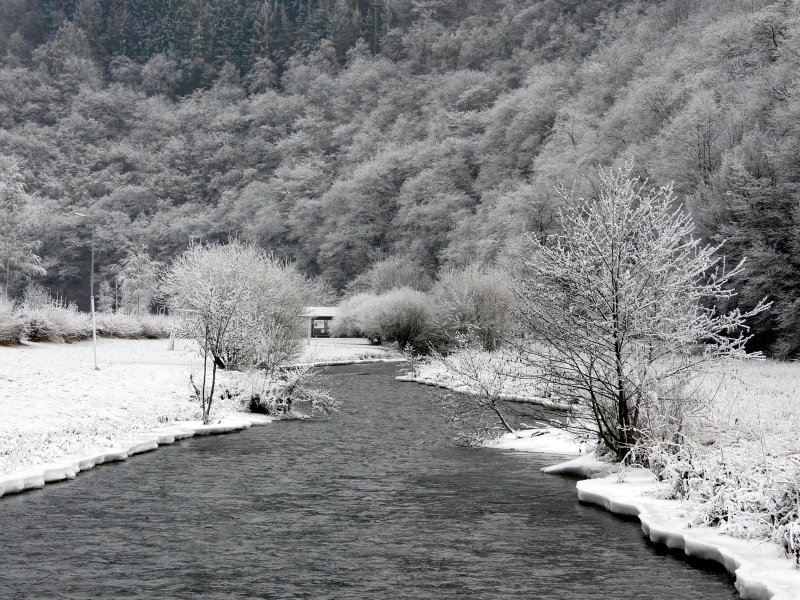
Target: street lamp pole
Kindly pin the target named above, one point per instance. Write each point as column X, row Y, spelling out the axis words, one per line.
column 91, row 298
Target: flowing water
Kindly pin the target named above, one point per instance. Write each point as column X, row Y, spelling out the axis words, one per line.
column 374, row 503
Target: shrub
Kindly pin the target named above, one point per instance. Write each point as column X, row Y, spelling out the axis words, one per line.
column 286, row 392
column 350, row 320
column 119, row 325
column 57, row 323
column 37, row 296
column 39, row 329
column 472, row 303
column 156, row 326
column 402, row 315
column 12, row 325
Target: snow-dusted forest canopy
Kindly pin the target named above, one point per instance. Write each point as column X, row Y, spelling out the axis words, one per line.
column 339, row 132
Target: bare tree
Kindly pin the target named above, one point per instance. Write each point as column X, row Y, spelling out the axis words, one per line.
column 620, row 310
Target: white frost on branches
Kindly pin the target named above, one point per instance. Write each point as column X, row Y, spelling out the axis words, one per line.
column 621, row 309
column 240, row 304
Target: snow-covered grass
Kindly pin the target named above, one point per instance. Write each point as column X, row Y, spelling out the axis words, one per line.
column 738, row 466
column 53, row 402
column 757, row 401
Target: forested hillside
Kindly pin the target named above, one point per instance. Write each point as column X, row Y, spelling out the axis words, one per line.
column 338, row 132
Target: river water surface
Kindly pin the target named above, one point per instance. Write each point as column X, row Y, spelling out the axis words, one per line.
column 373, row 503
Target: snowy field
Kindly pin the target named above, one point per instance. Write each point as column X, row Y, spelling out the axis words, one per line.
column 53, row 403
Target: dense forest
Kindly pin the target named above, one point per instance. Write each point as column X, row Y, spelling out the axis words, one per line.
column 340, row 132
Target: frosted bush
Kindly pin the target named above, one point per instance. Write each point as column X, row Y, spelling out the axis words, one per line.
column 12, row 324
column 36, row 296
column 57, row 323
column 119, row 325
column 129, row 326
column 38, row 328
column 281, row 393
column 351, row 318
column 402, row 315
column 740, row 489
column 473, row 303
column 156, row 326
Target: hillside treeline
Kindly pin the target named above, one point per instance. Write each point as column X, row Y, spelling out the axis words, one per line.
column 340, row 132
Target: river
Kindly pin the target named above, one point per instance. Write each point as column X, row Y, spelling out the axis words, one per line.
column 375, row 502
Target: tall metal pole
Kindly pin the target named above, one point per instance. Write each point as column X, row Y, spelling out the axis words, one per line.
column 91, row 292
column 94, row 321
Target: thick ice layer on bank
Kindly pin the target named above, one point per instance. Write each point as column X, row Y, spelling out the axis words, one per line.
column 762, row 571
column 69, row 466
column 587, row 465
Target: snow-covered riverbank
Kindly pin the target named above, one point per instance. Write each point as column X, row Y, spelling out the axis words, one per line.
column 59, row 416
column 761, row 568
column 747, row 427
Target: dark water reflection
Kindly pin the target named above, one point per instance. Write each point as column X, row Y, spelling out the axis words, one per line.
column 375, row 503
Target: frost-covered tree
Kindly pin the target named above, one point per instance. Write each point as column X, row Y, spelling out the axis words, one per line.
column 17, row 213
column 620, row 310
column 138, row 281
column 472, row 303
column 402, row 315
column 391, row 273
column 242, row 306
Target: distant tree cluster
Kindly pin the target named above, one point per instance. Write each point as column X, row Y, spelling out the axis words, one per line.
column 338, row 133
column 396, row 303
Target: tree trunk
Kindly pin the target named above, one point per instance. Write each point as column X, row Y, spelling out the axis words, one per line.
column 207, row 413
column 503, row 420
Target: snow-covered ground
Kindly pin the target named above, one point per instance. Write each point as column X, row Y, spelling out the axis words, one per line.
column 340, row 350
column 479, row 372
column 546, row 440
column 53, row 404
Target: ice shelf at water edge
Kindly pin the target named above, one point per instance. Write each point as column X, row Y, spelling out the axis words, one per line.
column 69, row 466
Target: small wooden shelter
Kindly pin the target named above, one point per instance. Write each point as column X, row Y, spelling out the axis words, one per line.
column 319, row 320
